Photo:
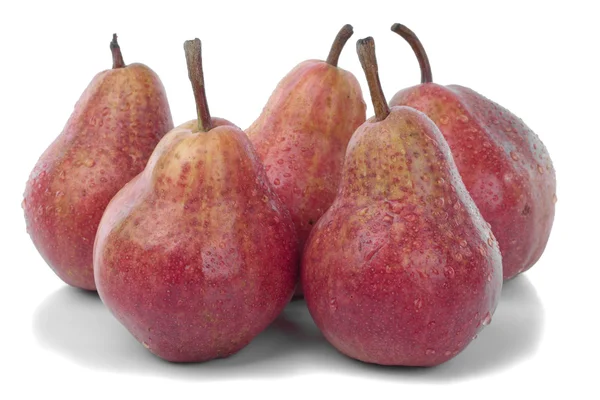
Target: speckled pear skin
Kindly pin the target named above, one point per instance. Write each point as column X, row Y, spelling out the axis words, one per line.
column 114, row 127
column 503, row 164
column 402, row 269
column 302, row 134
column 197, row 254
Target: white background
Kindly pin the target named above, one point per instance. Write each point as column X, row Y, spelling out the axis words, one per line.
column 539, row 59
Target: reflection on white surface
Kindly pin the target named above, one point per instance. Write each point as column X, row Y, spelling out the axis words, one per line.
column 77, row 325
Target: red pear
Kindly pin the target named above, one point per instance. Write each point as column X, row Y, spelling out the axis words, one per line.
column 503, row 163
column 302, row 134
column 197, row 254
column 402, row 269
column 107, row 141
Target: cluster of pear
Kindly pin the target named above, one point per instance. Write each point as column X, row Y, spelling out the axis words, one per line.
column 398, row 230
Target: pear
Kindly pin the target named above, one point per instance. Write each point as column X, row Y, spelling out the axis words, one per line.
column 197, row 254
column 402, row 269
column 302, row 134
column 117, row 122
column 503, row 163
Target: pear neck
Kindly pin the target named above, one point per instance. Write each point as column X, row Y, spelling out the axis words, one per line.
column 376, row 166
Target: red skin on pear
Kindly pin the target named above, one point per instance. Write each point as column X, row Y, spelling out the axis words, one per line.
column 302, row 134
column 117, row 122
column 302, row 137
column 504, row 165
column 402, row 269
column 197, row 255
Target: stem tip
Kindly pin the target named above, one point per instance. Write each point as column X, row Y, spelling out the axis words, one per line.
column 116, row 53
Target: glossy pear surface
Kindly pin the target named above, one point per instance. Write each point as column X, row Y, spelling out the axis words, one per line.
column 115, row 125
column 197, row 254
column 302, row 134
column 503, row 164
column 402, row 269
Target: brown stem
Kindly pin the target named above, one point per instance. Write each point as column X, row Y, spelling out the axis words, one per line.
column 338, row 44
column 116, row 53
column 419, row 50
column 366, row 54
column 193, row 57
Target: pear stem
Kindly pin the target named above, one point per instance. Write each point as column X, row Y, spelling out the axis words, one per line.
column 366, row 54
column 338, row 44
column 193, row 57
column 116, row 53
column 419, row 50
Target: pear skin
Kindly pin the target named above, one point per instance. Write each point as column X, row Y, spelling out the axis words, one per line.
column 503, row 163
column 302, row 134
column 402, row 269
column 197, row 255
column 115, row 125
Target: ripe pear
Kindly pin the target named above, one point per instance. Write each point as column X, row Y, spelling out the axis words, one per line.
column 402, row 269
column 197, row 254
column 503, row 163
column 117, row 122
column 302, row 134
